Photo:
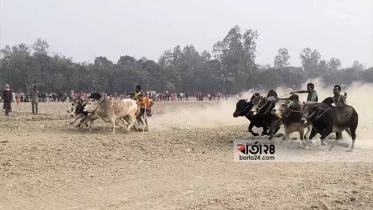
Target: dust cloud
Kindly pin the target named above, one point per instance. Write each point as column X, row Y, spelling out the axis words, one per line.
column 220, row 113
column 199, row 115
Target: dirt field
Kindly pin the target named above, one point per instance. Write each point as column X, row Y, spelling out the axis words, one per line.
column 185, row 161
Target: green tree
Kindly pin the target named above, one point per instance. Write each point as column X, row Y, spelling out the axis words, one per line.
column 40, row 46
column 357, row 66
column 282, row 58
column 237, row 54
column 334, row 64
column 310, row 60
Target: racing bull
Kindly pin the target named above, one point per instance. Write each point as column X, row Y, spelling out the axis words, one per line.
column 327, row 119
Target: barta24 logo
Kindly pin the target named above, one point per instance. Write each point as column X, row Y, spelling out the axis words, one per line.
column 254, row 151
column 256, row 148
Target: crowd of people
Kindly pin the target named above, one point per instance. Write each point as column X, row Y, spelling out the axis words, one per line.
column 35, row 96
column 211, row 97
column 20, row 96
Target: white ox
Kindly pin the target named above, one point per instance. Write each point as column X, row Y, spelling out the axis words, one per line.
column 112, row 111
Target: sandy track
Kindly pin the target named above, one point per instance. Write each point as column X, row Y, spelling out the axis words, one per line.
column 46, row 164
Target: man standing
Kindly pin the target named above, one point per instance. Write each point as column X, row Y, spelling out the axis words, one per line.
column 35, row 100
column 312, row 94
column 7, row 95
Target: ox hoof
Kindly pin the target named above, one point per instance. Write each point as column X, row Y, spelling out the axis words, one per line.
column 306, row 147
column 324, row 143
column 331, row 149
column 255, row 134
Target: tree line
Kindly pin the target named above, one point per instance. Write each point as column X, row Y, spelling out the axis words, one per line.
column 229, row 68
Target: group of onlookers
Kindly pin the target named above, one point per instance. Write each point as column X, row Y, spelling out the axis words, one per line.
column 35, row 96
column 210, row 97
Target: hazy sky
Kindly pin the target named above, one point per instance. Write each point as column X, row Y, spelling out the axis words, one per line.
column 85, row 29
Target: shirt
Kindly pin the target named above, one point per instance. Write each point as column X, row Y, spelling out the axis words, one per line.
column 35, row 96
column 6, row 95
column 137, row 94
column 143, row 103
column 312, row 97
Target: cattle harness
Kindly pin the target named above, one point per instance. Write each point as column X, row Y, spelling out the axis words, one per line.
column 318, row 116
column 270, row 99
column 245, row 108
column 292, row 110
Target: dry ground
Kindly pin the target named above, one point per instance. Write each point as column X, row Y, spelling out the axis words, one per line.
column 182, row 163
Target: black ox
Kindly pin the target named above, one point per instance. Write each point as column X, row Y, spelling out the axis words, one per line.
column 263, row 108
column 243, row 107
column 257, row 110
column 327, row 118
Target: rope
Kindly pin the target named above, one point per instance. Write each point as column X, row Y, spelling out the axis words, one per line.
column 291, row 110
column 263, row 105
column 244, row 109
column 318, row 116
column 259, row 108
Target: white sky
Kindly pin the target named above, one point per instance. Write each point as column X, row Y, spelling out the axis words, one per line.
column 84, row 29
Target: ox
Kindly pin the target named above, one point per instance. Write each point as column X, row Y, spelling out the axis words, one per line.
column 327, row 119
column 111, row 111
column 125, row 120
column 243, row 107
column 262, row 106
column 291, row 116
column 330, row 101
column 77, row 109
